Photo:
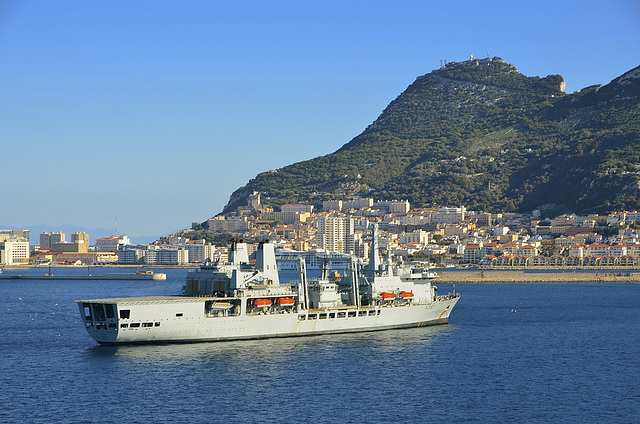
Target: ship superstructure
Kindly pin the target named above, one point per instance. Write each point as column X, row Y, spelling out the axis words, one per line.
column 315, row 259
column 236, row 300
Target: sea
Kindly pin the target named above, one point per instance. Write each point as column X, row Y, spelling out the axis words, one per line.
column 511, row 353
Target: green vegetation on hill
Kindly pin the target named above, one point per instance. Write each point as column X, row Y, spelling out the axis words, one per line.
column 481, row 134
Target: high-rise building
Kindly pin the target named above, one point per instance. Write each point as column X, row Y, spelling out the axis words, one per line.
column 335, row 234
column 200, row 251
column 80, row 236
column 48, row 239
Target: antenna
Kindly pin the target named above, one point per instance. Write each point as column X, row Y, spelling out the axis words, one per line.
column 116, row 225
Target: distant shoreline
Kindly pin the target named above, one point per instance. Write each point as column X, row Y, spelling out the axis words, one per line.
column 456, row 275
column 19, row 266
column 559, row 276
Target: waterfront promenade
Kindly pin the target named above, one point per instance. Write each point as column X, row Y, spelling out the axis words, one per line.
column 520, row 276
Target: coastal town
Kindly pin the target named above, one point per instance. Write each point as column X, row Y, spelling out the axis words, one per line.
column 445, row 237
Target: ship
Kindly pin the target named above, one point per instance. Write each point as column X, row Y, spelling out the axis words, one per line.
column 238, row 300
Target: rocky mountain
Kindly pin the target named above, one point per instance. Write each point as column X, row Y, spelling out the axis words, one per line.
column 481, row 134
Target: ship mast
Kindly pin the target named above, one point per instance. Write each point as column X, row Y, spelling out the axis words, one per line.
column 303, row 291
column 355, row 283
column 374, row 254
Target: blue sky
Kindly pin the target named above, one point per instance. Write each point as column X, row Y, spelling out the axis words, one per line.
column 156, row 111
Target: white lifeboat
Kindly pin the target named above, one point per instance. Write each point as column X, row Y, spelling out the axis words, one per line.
column 220, row 306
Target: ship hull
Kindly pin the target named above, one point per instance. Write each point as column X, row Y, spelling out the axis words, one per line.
column 175, row 320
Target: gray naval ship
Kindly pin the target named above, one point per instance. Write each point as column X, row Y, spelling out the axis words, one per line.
column 236, row 300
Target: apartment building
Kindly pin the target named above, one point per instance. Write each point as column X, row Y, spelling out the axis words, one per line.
column 358, row 203
column 335, row 234
column 200, row 252
column 419, row 237
column 48, row 239
column 332, row 205
column 450, row 215
column 394, row 206
column 472, row 254
column 298, row 207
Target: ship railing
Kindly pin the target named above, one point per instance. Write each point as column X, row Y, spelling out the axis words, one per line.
column 446, row 297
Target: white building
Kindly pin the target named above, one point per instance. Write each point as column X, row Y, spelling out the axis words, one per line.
column 200, row 252
column 131, row 255
column 394, row 206
column 450, row 215
column 500, row 231
column 420, row 217
column 618, row 250
column 358, row 203
column 633, row 217
column 599, row 250
column 300, row 207
column 14, row 252
column 419, row 237
column 156, row 255
column 285, row 217
column 167, row 256
column 616, row 218
column 111, row 244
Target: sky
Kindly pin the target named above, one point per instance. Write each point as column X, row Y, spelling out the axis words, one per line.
column 152, row 112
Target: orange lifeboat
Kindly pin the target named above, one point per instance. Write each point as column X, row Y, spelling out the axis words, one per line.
column 285, row 301
column 261, row 303
column 406, row 295
column 387, row 295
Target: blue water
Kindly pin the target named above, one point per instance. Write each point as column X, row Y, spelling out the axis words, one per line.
column 511, row 353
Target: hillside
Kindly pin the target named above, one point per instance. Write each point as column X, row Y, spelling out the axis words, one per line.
column 481, row 134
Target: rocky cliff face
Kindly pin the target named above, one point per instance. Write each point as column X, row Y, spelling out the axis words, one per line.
column 480, row 133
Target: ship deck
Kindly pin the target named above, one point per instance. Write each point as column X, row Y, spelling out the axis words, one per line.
column 150, row 299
